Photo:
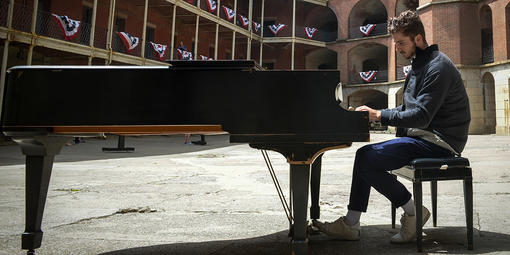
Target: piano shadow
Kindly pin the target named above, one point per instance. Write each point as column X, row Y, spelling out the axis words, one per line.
column 375, row 240
column 145, row 145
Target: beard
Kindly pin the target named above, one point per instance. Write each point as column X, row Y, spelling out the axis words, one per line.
column 412, row 52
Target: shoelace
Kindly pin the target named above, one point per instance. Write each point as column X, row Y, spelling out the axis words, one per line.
column 403, row 224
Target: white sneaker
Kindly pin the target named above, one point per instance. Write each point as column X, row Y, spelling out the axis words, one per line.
column 339, row 230
column 408, row 227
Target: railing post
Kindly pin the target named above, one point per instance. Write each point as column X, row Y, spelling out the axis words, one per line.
column 32, row 30
column 6, row 52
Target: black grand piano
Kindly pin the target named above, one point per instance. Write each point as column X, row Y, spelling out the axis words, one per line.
column 295, row 113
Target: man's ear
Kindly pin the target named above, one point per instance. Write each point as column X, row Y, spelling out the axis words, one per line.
column 418, row 40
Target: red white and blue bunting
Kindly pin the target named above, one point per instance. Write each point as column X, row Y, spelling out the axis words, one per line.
column 367, row 76
column 160, row 49
column 276, row 28
column 229, row 13
column 365, row 30
column 202, row 57
column 185, row 55
column 406, row 70
column 244, row 21
column 310, row 32
column 68, row 26
column 211, row 6
column 256, row 26
column 129, row 41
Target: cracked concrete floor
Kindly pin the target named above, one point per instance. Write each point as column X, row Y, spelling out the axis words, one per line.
column 171, row 198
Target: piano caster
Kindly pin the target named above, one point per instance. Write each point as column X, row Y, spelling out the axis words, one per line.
column 312, row 230
column 291, row 231
column 31, row 252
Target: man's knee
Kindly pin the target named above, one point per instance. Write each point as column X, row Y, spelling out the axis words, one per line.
column 365, row 157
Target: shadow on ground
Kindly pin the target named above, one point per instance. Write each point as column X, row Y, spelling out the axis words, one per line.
column 375, row 240
column 144, row 146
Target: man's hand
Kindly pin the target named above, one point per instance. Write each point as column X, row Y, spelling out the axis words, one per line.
column 373, row 115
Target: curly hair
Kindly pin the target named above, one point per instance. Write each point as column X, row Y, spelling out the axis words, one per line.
column 407, row 23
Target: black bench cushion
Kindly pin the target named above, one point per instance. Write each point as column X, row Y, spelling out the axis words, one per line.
column 451, row 162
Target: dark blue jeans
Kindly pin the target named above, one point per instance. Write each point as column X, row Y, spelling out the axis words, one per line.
column 373, row 162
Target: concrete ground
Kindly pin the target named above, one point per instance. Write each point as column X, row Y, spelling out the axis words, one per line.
column 171, row 198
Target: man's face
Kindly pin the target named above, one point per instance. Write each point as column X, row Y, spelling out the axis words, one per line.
column 404, row 45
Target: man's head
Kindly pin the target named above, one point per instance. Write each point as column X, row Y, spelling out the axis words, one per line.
column 408, row 33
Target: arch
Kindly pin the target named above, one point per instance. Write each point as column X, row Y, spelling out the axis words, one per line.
column 368, row 12
column 488, row 103
column 403, row 5
column 399, row 96
column 486, row 34
column 367, row 57
column 325, row 20
column 373, row 98
column 321, row 59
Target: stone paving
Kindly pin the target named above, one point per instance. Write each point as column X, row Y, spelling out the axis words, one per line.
column 171, row 198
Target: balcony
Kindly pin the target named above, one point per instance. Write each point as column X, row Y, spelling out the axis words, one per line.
column 47, row 26
column 380, row 29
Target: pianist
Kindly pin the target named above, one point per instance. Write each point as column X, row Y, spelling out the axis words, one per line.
column 433, row 121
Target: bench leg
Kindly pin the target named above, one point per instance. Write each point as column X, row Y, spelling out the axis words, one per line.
column 468, row 203
column 418, row 211
column 393, row 210
column 433, row 193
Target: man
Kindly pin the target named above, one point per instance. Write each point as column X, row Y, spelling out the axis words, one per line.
column 433, row 121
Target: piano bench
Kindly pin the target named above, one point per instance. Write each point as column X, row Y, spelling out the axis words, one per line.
column 433, row 170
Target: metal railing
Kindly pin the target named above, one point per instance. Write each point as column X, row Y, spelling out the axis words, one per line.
column 487, row 55
column 380, row 76
column 320, row 35
column 380, row 29
column 4, row 8
column 21, row 17
column 399, row 73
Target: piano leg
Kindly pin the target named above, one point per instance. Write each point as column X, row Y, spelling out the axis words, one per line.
column 315, row 183
column 300, row 174
column 40, row 153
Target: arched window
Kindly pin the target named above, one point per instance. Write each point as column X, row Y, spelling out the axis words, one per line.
column 321, row 59
column 486, row 34
column 368, row 57
column 367, row 12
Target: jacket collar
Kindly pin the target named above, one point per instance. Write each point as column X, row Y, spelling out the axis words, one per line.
column 423, row 56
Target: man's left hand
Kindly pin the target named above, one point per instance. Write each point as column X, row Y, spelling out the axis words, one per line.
column 373, row 115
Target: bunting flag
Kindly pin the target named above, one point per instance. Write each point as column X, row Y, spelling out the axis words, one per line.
column 406, row 70
column 256, row 26
column 68, row 26
column 310, row 32
column 367, row 76
column 202, row 57
column 184, row 55
column 244, row 21
column 365, row 30
column 229, row 13
column 160, row 49
column 276, row 28
column 129, row 41
column 211, row 5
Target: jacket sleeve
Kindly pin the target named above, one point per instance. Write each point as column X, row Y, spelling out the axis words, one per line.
column 431, row 94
